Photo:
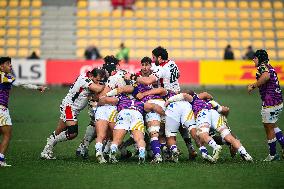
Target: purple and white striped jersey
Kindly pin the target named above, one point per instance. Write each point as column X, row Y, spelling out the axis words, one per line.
column 270, row 92
column 126, row 102
column 6, row 81
column 140, row 88
column 199, row 104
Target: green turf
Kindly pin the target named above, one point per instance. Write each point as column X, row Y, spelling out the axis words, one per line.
column 35, row 116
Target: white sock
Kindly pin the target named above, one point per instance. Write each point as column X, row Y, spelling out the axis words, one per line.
column 213, row 144
column 242, row 150
column 113, row 148
column 89, row 135
column 107, row 146
column 277, row 129
column 142, row 152
column 99, row 147
column 61, row 137
column 2, row 156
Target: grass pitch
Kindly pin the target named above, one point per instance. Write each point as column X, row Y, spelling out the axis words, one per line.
column 35, row 116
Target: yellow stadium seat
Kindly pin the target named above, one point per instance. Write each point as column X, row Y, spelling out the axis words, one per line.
column 197, row 14
column 2, row 32
column 280, row 44
column 35, row 32
column 164, row 33
column 35, row 42
column 82, row 43
column 243, row 5
column 93, row 23
column 151, row 14
column 245, row 24
column 163, row 4
column 232, row 14
column 209, row 24
column 2, row 42
column 232, row 4
column 23, row 42
column 13, row 3
column 36, row 3
column 220, row 14
column 246, row 43
column 209, row 14
column 82, row 13
column 152, row 33
column 140, row 51
column 278, row 14
column 185, row 14
column 174, row 14
column 13, row 13
column 187, row 43
column 210, row 43
column 23, row 32
column 187, row 34
column 163, row 24
column 164, row 43
column 175, row 34
column 11, row 42
column 212, row 54
column 128, row 14
column 199, row 43
column 82, row 4
column 234, row 33
column 281, row 54
column 152, row 24
column 233, row 24
column 139, row 13
column 256, row 24
column 267, row 14
column 222, row 34
column 151, row 4
column 105, row 14
column 93, row 33
column 280, row 34
column 257, row 34
column 185, row 4
column 267, row 24
column 258, row 44
column 80, row 52
column 279, row 24
column 12, row 22
column 140, row 4
column 235, row 43
column 209, row 4
column 244, row 14
column 174, row 24
column 24, row 23
column 197, row 4
column 36, row 13
column 117, row 23
column 269, row 44
column 36, row 22
column 82, row 23
column 254, row 4
column 2, row 50
column 188, row 53
column 138, row 23
column 174, row 4
column 221, row 24
column 266, row 4
column 245, row 34
column 23, row 52
column 106, row 43
column 2, row 22
column 200, row 54
column 3, row 13
column 278, row 5
column 220, row 4
column 25, row 3
column 105, row 23
column 12, row 52
column 82, row 32
column 255, row 14
column 198, row 33
column 198, row 24
column 237, row 53
column 269, row 34
column 129, row 32
column 272, row 54
column 140, row 33
column 152, row 43
column 12, row 32
column 210, row 34
column 176, row 53
column 140, row 43
column 93, row 13
column 25, row 13
column 3, row 4
column 186, row 24
column 105, row 33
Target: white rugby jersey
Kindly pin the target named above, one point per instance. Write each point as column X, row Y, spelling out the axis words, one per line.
column 167, row 75
column 116, row 80
column 79, row 92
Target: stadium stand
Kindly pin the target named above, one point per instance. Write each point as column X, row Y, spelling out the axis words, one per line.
column 63, row 29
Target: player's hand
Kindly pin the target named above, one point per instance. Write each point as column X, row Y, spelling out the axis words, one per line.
column 127, row 76
column 250, row 88
column 42, row 88
column 167, row 103
column 140, row 96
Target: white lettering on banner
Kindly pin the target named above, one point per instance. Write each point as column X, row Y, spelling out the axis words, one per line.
column 29, row 71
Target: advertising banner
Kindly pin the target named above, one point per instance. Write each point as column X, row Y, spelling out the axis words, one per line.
column 29, row 71
column 233, row 72
column 66, row 71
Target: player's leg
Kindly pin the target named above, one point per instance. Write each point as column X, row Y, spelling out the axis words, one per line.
column 118, row 135
column 101, row 130
column 153, row 125
column 6, row 131
column 89, row 136
column 138, row 137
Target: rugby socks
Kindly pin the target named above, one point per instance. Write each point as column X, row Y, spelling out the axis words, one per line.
column 89, row 135
column 155, row 146
column 2, row 157
column 107, row 147
column 203, row 149
column 61, row 137
column 142, row 152
column 212, row 144
column 279, row 136
column 173, row 148
column 242, row 150
column 163, row 146
column 272, row 146
column 99, row 147
column 113, row 148
column 188, row 144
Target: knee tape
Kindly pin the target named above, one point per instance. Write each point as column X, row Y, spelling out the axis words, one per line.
column 202, row 130
column 225, row 132
column 154, row 129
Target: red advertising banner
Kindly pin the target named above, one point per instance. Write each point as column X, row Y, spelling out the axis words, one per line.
column 66, row 71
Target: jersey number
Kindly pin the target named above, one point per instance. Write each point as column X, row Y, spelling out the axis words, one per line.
column 174, row 74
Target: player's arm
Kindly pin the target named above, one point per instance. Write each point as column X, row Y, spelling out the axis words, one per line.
column 148, row 107
column 96, row 88
column 30, row 86
column 205, row 96
column 221, row 109
column 155, row 91
column 179, row 97
column 108, row 100
column 119, row 90
column 265, row 76
column 147, row 80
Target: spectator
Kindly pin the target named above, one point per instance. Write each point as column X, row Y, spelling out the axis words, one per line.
column 229, row 54
column 249, row 53
column 123, row 53
column 33, row 56
column 92, row 53
column 125, row 4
